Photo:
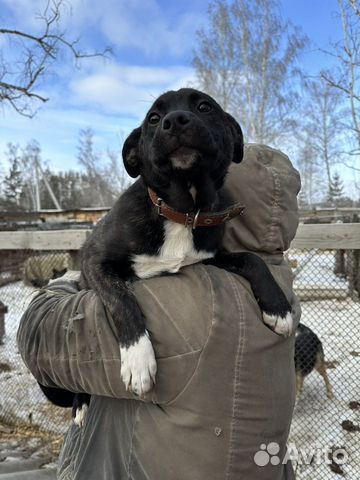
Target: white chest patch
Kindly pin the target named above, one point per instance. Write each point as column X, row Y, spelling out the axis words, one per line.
column 177, row 251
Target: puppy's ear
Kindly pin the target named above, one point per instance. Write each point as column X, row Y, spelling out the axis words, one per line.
column 238, row 139
column 130, row 153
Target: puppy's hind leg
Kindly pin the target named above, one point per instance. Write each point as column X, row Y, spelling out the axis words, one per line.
column 320, row 367
column 299, row 383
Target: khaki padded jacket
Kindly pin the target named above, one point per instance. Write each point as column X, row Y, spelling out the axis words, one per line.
column 225, row 382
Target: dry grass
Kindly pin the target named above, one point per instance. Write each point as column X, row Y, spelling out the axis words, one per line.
column 24, row 432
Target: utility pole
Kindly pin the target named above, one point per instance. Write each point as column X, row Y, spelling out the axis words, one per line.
column 48, row 186
column 40, row 174
column 37, row 185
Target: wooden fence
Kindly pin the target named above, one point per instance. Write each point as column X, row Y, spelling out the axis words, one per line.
column 326, row 236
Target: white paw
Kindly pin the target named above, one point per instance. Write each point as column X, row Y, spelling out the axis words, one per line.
column 280, row 325
column 80, row 416
column 138, row 366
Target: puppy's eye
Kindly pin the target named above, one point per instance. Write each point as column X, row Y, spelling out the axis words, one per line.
column 204, row 107
column 153, row 118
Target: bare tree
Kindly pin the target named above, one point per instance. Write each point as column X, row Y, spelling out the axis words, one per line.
column 30, row 159
column 20, row 78
column 322, row 125
column 215, row 59
column 90, row 160
column 246, row 59
column 345, row 77
column 115, row 171
column 311, row 178
column 106, row 176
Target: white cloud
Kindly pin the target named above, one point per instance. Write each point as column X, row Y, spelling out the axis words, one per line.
column 142, row 24
column 126, row 90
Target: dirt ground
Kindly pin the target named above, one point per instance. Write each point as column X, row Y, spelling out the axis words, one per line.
column 27, row 450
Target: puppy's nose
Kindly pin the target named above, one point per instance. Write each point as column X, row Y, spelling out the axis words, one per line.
column 175, row 121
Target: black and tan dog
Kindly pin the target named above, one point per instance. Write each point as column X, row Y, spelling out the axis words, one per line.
column 171, row 217
column 309, row 356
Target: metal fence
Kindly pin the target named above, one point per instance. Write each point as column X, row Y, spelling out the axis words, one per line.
column 325, row 432
column 23, row 272
column 324, row 441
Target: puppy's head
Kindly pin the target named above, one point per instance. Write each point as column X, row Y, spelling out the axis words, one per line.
column 184, row 134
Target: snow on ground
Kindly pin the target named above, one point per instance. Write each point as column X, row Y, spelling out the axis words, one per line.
column 316, row 270
column 20, row 395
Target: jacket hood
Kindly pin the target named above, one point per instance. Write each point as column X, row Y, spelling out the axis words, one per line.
column 267, row 184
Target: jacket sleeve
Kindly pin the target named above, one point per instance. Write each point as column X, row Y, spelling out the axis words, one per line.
column 65, row 336
column 66, row 339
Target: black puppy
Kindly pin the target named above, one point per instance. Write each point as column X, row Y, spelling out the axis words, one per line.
column 181, row 152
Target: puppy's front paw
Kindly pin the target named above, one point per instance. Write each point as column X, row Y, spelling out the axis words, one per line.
column 80, row 407
column 80, row 415
column 282, row 325
column 138, row 366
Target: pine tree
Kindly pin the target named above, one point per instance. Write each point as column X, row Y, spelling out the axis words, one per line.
column 13, row 182
column 336, row 190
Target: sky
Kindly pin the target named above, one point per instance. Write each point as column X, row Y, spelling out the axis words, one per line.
column 152, row 42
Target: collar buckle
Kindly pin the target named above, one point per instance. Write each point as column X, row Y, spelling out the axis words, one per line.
column 158, row 205
column 191, row 219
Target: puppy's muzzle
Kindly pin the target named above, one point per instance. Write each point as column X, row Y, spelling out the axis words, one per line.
column 175, row 123
column 183, row 126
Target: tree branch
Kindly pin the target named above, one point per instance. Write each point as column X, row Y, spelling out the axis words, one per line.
column 37, row 54
column 355, row 7
column 23, row 90
column 350, row 166
column 339, row 86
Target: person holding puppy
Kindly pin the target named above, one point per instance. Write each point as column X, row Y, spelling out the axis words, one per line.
column 225, row 384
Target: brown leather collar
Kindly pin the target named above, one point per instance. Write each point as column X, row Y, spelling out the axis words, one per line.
column 194, row 219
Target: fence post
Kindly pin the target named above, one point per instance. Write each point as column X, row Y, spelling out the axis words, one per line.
column 339, row 267
column 3, row 310
column 75, row 259
column 354, row 269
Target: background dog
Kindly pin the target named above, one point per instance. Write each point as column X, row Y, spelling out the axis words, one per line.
column 309, row 355
column 171, row 217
